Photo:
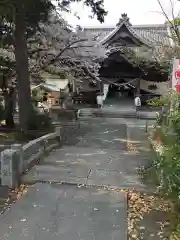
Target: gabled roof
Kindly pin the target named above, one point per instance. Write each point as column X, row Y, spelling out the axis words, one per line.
column 52, row 85
column 151, row 34
column 122, row 26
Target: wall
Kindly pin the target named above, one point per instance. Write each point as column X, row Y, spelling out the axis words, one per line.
column 162, row 87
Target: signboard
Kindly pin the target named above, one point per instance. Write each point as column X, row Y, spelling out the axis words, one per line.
column 175, row 78
column 137, row 102
column 105, row 91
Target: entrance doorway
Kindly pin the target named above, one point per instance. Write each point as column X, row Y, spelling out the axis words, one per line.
column 121, row 91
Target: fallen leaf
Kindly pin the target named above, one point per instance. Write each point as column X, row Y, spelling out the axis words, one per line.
column 95, row 209
column 23, row 220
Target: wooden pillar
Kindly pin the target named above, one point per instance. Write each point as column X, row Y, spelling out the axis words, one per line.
column 100, row 86
column 74, row 85
column 138, row 87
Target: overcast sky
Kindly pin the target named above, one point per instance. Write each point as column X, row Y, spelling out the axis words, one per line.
column 139, row 12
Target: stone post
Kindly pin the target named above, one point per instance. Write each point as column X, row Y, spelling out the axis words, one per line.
column 18, row 148
column 58, row 129
column 10, row 175
column 59, row 136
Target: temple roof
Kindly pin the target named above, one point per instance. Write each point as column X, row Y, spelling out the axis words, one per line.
column 142, row 34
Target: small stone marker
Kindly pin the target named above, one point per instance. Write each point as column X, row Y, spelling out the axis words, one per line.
column 10, row 168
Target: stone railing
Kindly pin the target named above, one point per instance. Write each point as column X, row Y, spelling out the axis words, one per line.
column 17, row 159
column 60, row 115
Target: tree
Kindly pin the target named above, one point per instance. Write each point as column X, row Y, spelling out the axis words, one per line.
column 171, row 50
column 173, row 24
column 7, row 72
column 24, row 16
column 58, row 49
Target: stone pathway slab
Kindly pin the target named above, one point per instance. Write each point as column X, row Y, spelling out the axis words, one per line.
column 89, row 166
column 103, row 177
column 52, row 211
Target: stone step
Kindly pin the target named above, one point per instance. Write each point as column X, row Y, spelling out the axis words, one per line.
column 113, row 114
column 108, row 114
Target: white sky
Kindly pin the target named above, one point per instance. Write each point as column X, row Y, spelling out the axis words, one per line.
column 139, row 12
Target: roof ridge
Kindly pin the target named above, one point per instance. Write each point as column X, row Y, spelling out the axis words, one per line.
column 113, row 31
column 125, row 21
column 133, row 26
column 131, row 29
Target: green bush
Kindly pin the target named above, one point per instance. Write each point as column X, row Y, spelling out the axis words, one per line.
column 2, row 112
column 39, row 121
column 166, row 167
column 156, row 102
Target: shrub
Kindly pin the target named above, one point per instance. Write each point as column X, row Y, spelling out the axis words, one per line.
column 166, row 167
column 39, row 121
column 2, row 112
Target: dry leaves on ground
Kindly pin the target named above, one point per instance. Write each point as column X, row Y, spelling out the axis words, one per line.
column 139, row 205
column 18, row 192
column 13, row 195
column 131, row 147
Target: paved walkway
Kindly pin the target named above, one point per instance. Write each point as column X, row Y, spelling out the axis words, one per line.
column 95, row 155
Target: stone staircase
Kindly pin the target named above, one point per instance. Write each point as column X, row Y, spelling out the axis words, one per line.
column 89, row 112
column 111, row 113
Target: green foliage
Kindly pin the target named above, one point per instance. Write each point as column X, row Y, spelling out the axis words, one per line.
column 157, row 102
column 97, row 7
column 2, row 112
column 37, row 95
column 176, row 21
column 39, row 121
column 160, row 101
column 166, row 166
column 38, row 10
column 19, row 20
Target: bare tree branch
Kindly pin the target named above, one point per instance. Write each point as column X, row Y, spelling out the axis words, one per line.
column 61, row 52
column 173, row 25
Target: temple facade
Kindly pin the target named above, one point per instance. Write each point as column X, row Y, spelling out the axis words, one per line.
column 125, row 41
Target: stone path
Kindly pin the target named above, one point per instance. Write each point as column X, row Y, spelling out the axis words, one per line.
column 93, row 155
column 97, row 156
column 52, row 211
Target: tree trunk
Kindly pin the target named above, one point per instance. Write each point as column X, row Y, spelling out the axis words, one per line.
column 9, row 113
column 21, row 54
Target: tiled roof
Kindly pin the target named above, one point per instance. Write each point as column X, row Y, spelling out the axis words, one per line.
column 152, row 34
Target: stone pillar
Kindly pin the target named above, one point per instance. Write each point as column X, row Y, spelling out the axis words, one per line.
column 59, row 131
column 10, row 175
column 18, row 148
